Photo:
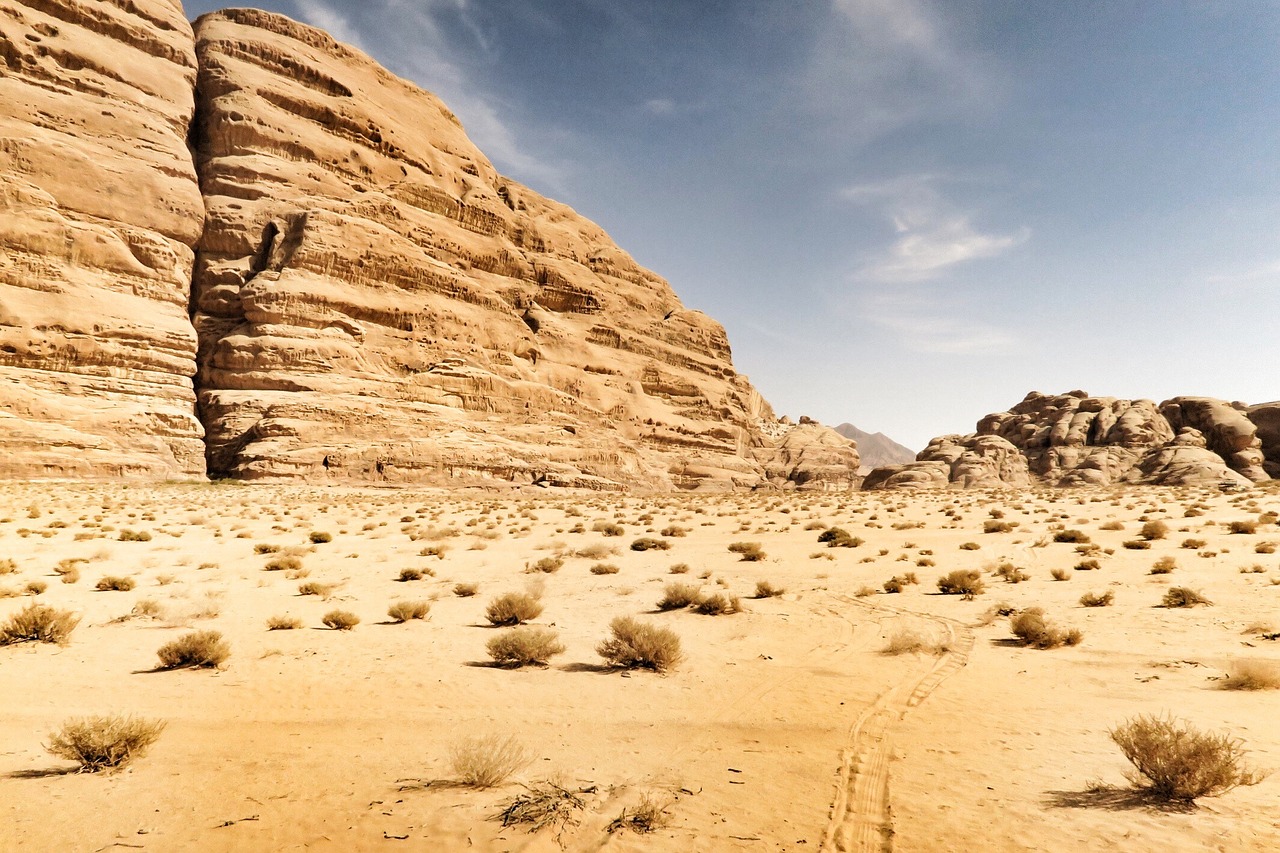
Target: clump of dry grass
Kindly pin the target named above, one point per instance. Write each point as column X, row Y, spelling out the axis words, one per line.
column 765, row 589
column 1071, row 536
column 837, row 537
column 105, row 742
column 1032, row 628
column 1093, row 599
column 1252, row 674
column 911, row 641
column 407, row 575
column 547, row 565
column 678, row 595
column 112, row 583
column 38, row 623
column 1178, row 762
column 513, row 608
column 1061, row 574
column 465, row 590
column 197, row 649
column 604, row 569
column 1154, row 530
column 1246, row 527
column 717, row 604
column 320, row 537
column 340, row 620
column 525, row 645
column 749, row 552
column 1011, row 573
column 636, row 645
column 283, row 564
column 482, row 762
column 1181, row 596
column 1164, row 566
column 648, row 543
column 403, row 611
column 963, row 582
column 283, row 623
column 315, row 588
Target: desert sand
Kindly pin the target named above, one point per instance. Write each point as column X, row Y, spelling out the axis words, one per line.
column 785, row 727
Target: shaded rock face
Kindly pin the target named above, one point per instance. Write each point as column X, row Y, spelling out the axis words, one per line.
column 1266, row 417
column 99, row 214
column 1076, row 440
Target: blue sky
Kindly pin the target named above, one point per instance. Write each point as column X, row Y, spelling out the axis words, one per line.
column 906, row 213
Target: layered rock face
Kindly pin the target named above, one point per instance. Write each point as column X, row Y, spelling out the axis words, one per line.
column 1076, row 440
column 99, row 214
column 375, row 302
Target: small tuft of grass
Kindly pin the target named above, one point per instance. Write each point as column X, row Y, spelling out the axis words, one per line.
column 604, row 569
column 111, row 583
column 765, row 589
column 1181, row 596
column 1164, row 566
column 678, row 595
column 465, row 590
column 1093, row 599
column 1061, row 574
column 1252, row 674
column 717, row 604
column 283, row 623
column 647, row 816
column 483, row 762
column 315, row 588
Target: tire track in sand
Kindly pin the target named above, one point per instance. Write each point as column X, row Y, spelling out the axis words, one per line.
column 861, row 814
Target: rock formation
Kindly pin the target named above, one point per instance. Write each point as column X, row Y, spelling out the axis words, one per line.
column 99, row 213
column 1076, row 440
column 876, row 449
column 369, row 300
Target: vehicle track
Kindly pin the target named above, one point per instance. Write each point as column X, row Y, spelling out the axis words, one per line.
column 861, row 814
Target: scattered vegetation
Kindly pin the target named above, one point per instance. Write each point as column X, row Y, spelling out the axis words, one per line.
column 1164, row 566
column 646, row 543
column 1093, row 599
column 38, row 623
column 465, row 590
column 283, row 623
column 340, row 620
column 404, row 611
column 1032, row 628
column 750, row 552
column 676, row 596
column 1181, row 596
column 513, row 608
column 837, row 537
column 482, row 762
column 765, row 589
column 1252, row 674
column 717, row 604
column 319, row 537
column 1072, row 536
column 111, row 583
column 963, row 582
column 648, row 816
column 544, row 804
column 1154, row 530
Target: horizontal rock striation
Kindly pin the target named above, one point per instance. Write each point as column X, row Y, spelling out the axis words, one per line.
column 375, row 302
column 99, row 214
column 1076, row 440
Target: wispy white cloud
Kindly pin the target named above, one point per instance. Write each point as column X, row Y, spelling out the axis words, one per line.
column 413, row 41
column 933, row 234
column 1258, row 276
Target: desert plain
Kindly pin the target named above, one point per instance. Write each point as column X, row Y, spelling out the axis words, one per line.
column 788, row 725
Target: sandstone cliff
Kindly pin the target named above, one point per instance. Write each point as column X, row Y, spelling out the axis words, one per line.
column 368, row 300
column 1073, row 440
column 99, row 213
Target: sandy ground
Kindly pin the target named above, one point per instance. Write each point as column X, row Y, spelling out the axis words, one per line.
column 786, row 727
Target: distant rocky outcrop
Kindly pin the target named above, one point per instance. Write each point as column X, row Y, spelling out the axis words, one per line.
column 371, row 300
column 876, row 449
column 99, row 215
column 1076, row 440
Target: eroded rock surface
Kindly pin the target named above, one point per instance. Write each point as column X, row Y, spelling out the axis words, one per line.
column 375, row 302
column 1073, row 439
column 99, row 214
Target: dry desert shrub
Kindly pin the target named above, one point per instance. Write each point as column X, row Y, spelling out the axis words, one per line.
column 1033, row 629
column 407, row 575
column 1071, row 536
column 1011, row 573
column 1093, row 599
column 197, row 649
column 403, row 611
column 38, row 623
column 340, row 620
column 482, row 762
column 8, row 567
column 1252, row 674
column 513, row 608
column 595, row 552
column 283, row 564
column 994, row 526
column 608, row 528
column 963, row 582
column 678, row 595
column 674, row 531
column 117, row 584
column 1193, row 544
column 265, row 548
column 837, row 537
column 1136, row 544
column 636, row 645
column 1061, row 574
column 465, row 590
column 135, row 536
column 717, row 604
column 604, row 569
column 1181, row 596
column 911, row 641
column 1246, row 527
column 283, row 623
column 524, row 645
column 750, row 552
column 315, row 588
column 1154, row 530
column 437, row 551
column 1178, row 762
column 320, row 537
column 679, row 569
column 648, row 543
column 103, row 743
column 765, row 589
column 1164, row 566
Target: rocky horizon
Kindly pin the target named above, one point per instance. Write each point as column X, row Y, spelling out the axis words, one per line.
column 242, row 249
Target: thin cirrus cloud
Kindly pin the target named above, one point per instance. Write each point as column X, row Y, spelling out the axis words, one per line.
column 933, row 235
column 414, row 41
column 935, row 325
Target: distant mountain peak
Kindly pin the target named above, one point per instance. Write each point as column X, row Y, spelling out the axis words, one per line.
column 877, row 449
